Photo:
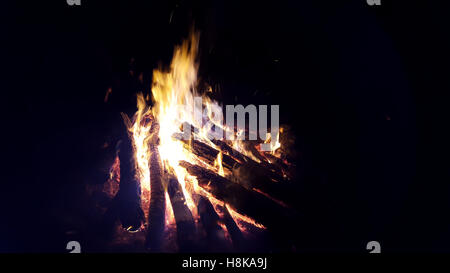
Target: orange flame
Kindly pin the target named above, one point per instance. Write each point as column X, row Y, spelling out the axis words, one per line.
column 218, row 164
column 173, row 93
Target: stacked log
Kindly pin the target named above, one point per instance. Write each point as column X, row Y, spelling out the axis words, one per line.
column 272, row 170
column 129, row 195
column 246, row 171
column 254, row 189
column 215, row 236
column 207, row 153
column 241, row 199
column 157, row 207
column 235, row 233
column 186, row 231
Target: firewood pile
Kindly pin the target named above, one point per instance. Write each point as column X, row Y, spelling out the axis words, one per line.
column 169, row 192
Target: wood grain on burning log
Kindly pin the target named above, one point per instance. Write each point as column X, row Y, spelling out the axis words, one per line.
column 157, row 207
column 186, row 231
column 241, row 199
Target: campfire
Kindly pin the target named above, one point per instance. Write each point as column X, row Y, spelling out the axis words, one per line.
column 187, row 187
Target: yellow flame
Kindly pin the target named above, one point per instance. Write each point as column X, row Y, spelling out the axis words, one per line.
column 173, row 93
column 140, row 132
column 274, row 145
column 218, row 164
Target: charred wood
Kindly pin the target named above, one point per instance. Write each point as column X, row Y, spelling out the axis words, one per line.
column 210, row 221
column 249, row 174
column 157, row 205
column 130, row 212
column 270, row 169
column 186, row 231
column 232, row 160
column 207, row 153
column 241, row 199
column 235, row 233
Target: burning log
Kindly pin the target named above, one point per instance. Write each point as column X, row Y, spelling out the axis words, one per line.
column 130, row 212
column 186, row 231
column 243, row 158
column 256, row 153
column 230, row 151
column 235, row 233
column 264, row 167
column 263, row 176
column 272, row 170
column 207, row 153
column 285, row 167
column 249, row 174
column 157, row 206
column 241, row 199
column 210, row 222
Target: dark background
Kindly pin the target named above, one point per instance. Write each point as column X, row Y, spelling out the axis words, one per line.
column 364, row 88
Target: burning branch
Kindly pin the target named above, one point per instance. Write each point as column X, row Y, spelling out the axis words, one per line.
column 156, row 214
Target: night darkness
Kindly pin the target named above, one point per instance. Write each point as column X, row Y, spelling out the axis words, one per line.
column 364, row 90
